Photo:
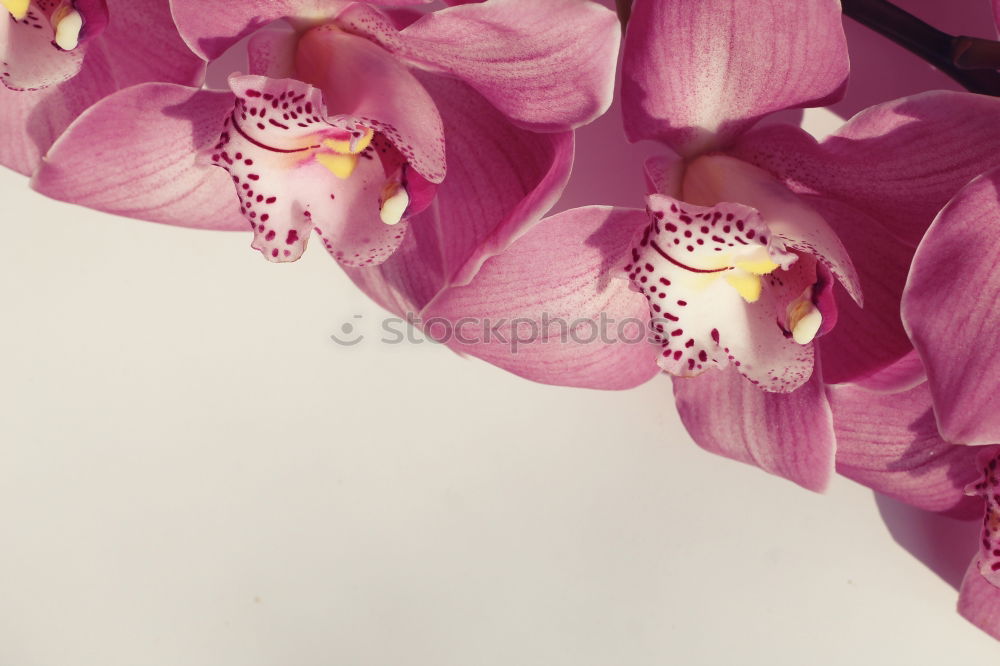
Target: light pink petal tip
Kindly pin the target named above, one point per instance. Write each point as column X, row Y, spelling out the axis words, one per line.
column 212, row 26
column 696, row 73
column 548, row 66
column 878, row 161
column 501, row 180
column 553, row 308
column 951, row 310
column 787, row 434
column 890, row 443
column 134, row 154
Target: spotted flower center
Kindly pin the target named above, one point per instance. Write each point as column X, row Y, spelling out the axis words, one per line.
column 988, row 487
column 297, row 170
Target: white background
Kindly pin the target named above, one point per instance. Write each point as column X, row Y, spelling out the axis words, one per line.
column 193, row 474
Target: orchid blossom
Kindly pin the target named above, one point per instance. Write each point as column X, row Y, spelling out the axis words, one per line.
column 343, row 123
column 735, row 262
column 61, row 56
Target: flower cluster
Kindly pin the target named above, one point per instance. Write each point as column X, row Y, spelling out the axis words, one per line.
column 822, row 306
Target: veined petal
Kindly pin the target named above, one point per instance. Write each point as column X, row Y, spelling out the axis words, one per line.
column 551, row 308
column 364, row 81
column 979, row 601
column 295, row 168
column 787, row 434
column 723, row 289
column 501, row 180
column 878, row 161
column 548, row 66
column 134, row 154
column 950, row 307
column 696, row 73
column 212, row 26
column 890, row 443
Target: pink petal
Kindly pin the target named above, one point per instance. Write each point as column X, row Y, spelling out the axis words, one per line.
column 682, row 264
column 134, row 154
column 551, row 307
column 788, row 434
column 212, row 26
column 979, row 601
column 890, row 443
column 865, row 340
column 714, row 178
column 696, row 73
column 501, row 180
column 273, row 145
column 902, row 375
column 548, row 66
column 362, row 80
column 272, row 53
column 139, row 44
column 29, row 58
column 950, row 310
column 898, row 162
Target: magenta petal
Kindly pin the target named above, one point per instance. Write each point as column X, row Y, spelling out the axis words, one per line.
column 950, row 309
column 696, row 73
column 902, row 375
column 979, row 601
column 364, row 81
column 271, row 53
column 865, row 340
column 890, row 443
column 788, row 434
column 134, row 154
column 551, row 307
column 549, row 66
column 501, row 180
column 879, row 161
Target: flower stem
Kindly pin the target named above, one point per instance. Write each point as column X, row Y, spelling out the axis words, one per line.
column 971, row 62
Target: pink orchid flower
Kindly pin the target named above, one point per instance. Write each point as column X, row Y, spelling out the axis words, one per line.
column 343, row 124
column 733, row 264
column 61, row 56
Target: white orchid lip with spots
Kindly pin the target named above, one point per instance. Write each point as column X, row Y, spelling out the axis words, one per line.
column 337, row 131
column 44, row 41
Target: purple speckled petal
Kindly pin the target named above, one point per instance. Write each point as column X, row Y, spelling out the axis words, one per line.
column 278, row 145
column 987, row 486
column 699, row 268
column 788, row 434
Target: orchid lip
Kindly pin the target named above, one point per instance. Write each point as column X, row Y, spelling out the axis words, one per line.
column 685, row 266
column 259, row 144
